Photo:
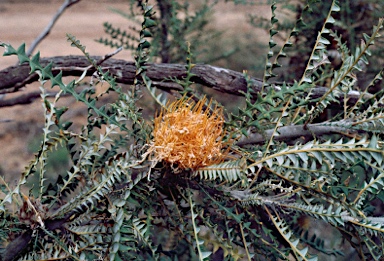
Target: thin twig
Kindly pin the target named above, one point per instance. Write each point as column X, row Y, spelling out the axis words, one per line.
column 49, row 27
column 95, row 65
column 109, row 55
column 243, row 237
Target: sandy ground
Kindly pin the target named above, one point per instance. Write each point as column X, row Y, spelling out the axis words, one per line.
column 22, row 21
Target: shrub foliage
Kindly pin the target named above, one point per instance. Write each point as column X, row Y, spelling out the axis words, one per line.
column 271, row 171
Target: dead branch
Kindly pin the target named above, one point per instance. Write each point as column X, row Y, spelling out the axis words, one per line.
column 296, row 133
column 49, row 27
column 162, row 75
column 24, row 99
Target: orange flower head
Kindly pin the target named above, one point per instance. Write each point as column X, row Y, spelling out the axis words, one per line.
column 188, row 136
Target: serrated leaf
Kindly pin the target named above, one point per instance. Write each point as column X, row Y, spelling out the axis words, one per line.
column 335, row 7
column 330, row 20
column 324, row 41
column 373, row 142
column 149, row 23
column 35, row 62
column 205, row 254
column 304, row 251
column 9, row 50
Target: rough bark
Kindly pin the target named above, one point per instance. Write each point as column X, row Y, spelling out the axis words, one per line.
column 296, row 133
column 224, row 80
column 15, row 77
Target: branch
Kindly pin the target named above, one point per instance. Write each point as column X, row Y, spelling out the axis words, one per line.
column 49, row 27
column 15, row 77
column 223, row 80
column 294, row 132
column 18, row 246
column 23, row 99
column 15, row 248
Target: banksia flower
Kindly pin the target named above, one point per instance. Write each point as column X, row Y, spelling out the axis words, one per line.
column 187, row 136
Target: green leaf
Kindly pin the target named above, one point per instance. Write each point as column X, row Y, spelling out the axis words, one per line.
column 35, row 62
column 205, row 254
column 330, row 20
column 149, row 23
column 144, row 44
column 335, row 7
column 9, row 50
column 21, row 54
